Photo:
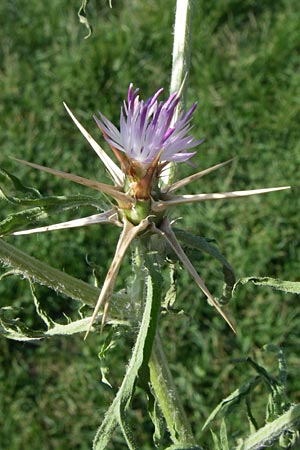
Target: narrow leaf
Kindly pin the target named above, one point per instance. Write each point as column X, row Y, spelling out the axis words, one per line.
column 292, row 287
column 223, row 436
column 215, row 441
column 184, row 447
column 16, row 330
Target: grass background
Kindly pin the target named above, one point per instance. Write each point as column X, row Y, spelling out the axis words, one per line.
column 245, row 74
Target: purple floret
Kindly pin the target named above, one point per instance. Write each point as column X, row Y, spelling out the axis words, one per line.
column 148, row 128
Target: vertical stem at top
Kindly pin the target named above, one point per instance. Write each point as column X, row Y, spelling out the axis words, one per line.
column 180, row 65
column 181, row 46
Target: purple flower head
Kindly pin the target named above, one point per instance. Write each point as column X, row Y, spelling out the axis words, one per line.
column 149, row 130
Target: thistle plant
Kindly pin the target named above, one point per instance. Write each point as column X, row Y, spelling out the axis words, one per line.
column 152, row 136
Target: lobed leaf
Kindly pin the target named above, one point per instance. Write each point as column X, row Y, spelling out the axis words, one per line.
column 292, row 287
column 39, row 272
column 16, row 330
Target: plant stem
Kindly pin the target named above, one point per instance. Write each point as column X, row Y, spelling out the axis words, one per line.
column 180, row 65
column 181, row 46
column 167, row 396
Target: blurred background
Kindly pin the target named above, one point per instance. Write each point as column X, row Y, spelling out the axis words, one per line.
column 245, row 75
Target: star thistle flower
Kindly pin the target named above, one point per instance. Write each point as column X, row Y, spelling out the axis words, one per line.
column 148, row 129
column 149, row 138
column 151, row 135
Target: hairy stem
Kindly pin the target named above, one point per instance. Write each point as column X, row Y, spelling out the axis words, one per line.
column 168, row 397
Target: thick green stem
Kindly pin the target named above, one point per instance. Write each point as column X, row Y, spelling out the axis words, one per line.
column 168, row 397
column 160, row 375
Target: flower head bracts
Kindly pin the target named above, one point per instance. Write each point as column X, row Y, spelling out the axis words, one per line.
column 150, row 137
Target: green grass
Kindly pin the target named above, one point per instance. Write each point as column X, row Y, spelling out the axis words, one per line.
column 245, row 69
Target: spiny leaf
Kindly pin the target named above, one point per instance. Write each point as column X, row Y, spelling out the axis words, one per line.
column 110, row 217
column 113, row 191
column 292, row 287
column 179, row 184
column 16, row 330
column 129, row 233
column 174, row 200
column 42, row 273
column 114, row 171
